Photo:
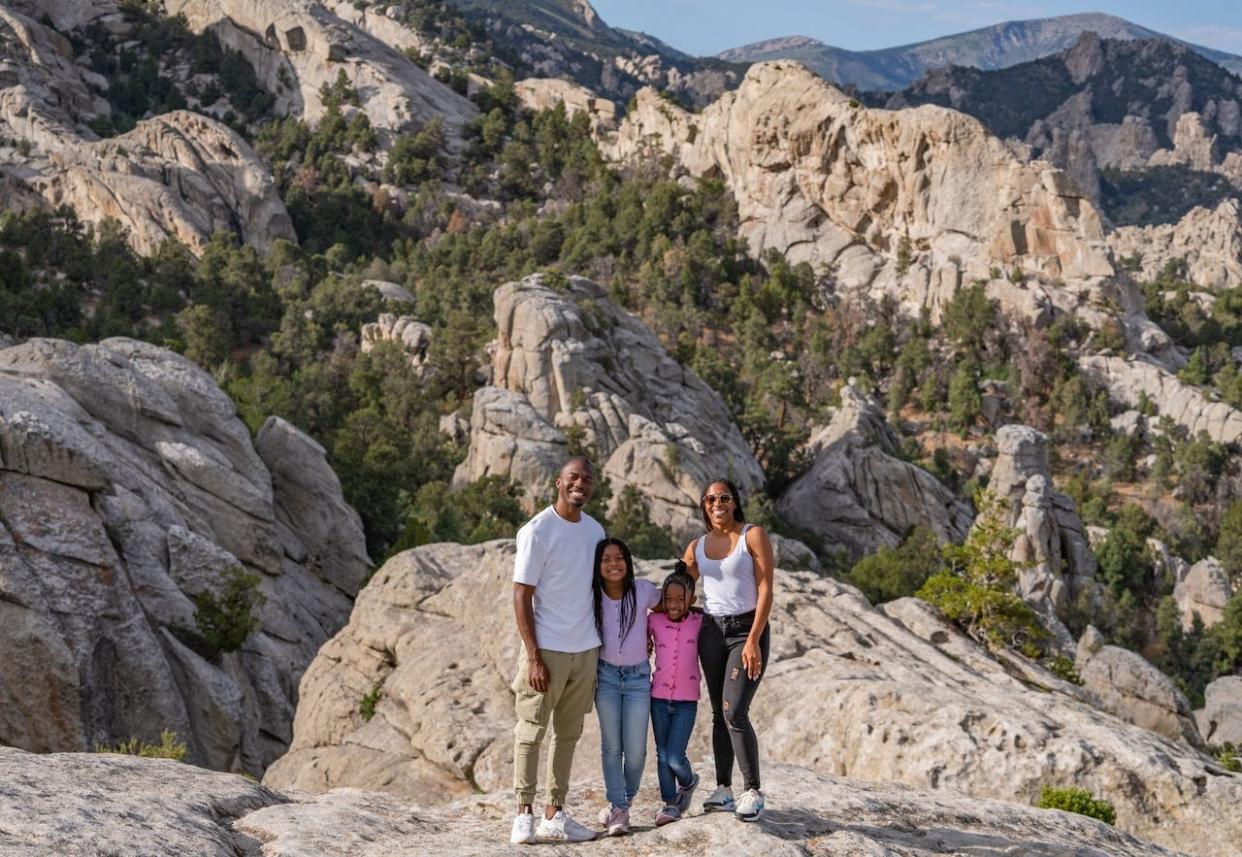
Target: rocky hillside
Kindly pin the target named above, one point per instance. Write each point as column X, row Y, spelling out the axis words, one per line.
column 1105, row 105
column 164, row 809
column 998, row 46
column 895, row 694
column 158, row 569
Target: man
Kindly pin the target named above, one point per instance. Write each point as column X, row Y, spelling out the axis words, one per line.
column 556, row 679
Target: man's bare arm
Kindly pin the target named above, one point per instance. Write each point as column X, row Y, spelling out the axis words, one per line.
column 524, row 612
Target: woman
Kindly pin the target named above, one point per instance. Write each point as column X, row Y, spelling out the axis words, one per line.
column 733, row 563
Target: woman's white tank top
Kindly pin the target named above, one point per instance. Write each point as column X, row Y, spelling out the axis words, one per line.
column 728, row 584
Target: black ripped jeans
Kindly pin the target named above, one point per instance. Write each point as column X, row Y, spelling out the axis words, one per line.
column 720, row 651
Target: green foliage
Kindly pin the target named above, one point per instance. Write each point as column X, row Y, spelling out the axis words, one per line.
column 416, row 157
column 898, row 572
column 489, row 508
column 1079, row 801
column 1229, row 543
column 1229, row 756
column 366, row 705
column 1123, row 557
column 631, row 522
column 225, row 621
column 1063, row 668
column 975, row 589
column 970, row 318
column 965, row 402
column 168, row 748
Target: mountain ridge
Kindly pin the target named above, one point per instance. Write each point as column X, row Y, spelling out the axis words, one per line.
column 997, row 46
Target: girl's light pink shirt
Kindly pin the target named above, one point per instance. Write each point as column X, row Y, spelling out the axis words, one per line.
column 676, row 674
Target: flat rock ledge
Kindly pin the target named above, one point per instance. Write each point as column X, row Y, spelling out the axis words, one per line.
column 70, row 804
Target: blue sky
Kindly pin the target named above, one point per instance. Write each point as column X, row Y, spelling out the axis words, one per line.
column 705, row 27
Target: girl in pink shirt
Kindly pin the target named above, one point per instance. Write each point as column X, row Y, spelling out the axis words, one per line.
column 675, row 691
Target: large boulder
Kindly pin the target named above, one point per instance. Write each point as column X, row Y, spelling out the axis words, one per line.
column 1203, row 591
column 410, row 334
column 858, row 496
column 53, row 804
column 898, row 695
column 1132, row 380
column 569, row 361
column 1220, row 721
column 1052, row 549
column 181, row 174
column 910, row 201
column 128, row 488
column 1128, row 685
column 545, row 93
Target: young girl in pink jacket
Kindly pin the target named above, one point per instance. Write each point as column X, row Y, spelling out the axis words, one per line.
column 675, row 691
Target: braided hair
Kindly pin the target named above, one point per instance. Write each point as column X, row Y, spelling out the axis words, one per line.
column 678, row 577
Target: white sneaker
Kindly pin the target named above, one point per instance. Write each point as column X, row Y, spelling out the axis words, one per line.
column 749, row 805
column 562, row 828
column 523, row 829
column 721, row 800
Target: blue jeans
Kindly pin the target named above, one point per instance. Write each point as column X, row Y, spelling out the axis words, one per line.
column 672, row 721
column 623, row 700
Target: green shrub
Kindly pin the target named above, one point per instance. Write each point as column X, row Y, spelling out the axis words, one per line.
column 168, row 748
column 897, row 572
column 366, row 705
column 1063, row 668
column 226, row 621
column 1080, row 801
column 1229, row 756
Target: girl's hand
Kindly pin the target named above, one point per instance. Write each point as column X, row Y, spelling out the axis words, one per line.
column 752, row 661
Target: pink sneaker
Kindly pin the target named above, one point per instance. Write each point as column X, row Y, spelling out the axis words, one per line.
column 667, row 815
column 615, row 821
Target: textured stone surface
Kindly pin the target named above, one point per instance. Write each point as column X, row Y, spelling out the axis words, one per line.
column 1203, row 590
column 128, row 487
column 820, row 178
column 312, row 43
column 897, row 695
column 412, row 335
column 1129, row 686
column 543, row 93
column 1221, row 718
column 1052, row 548
column 82, row 804
column 572, row 361
column 180, row 174
column 1208, row 240
column 1127, row 379
column 858, row 496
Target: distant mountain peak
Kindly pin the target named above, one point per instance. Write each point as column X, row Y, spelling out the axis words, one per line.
column 997, row 46
column 767, row 45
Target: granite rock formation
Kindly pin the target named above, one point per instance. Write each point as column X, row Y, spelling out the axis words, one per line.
column 1209, row 241
column 181, row 174
column 128, row 487
column 911, row 203
column 858, row 496
column 570, row 362
column 51, row 806
column 1052, row 548
column 896, row 695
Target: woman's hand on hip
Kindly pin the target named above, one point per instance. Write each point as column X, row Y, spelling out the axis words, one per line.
column 752, row 660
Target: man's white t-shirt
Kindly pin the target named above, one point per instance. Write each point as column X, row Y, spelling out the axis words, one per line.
column 557, row 557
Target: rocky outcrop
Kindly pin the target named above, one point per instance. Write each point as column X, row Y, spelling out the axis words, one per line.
column 1052, row 548
column 909, row 202
column 1126, row 684
column 1209, row 241
column 570, row 362
column 1220, row 721
column 1203, row 591
column 181, row 174
column 1132, row 379
column 412, row 335
column 307, row 42
column 157, row 808
column 544, row 93
column 898, row 695
column 128, row 487
column 858, row 496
